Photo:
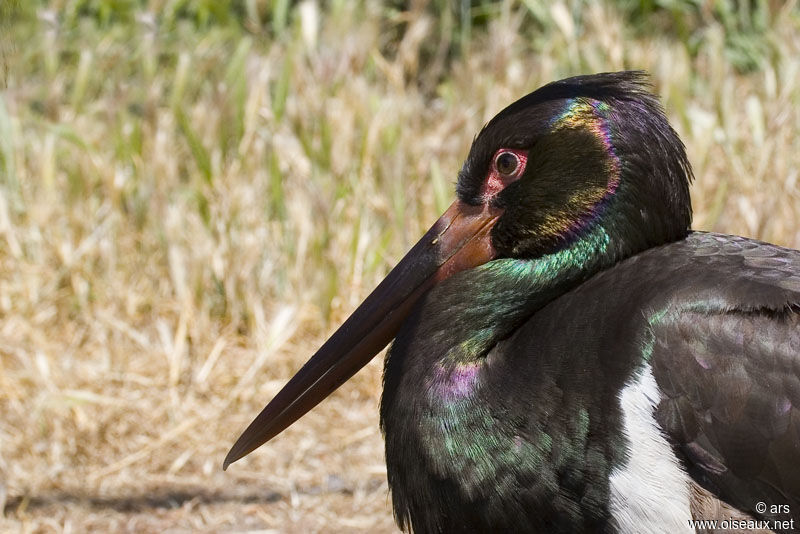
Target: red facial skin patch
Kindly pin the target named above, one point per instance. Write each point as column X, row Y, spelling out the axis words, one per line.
column 497, row 181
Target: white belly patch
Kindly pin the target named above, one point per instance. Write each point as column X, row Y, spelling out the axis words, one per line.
column 651, row 492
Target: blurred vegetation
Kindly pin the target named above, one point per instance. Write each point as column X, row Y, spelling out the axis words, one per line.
column 95, row 85
column 193, row 193
column 745, row 23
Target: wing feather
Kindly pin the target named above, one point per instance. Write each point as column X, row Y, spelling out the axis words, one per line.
column 732, row 400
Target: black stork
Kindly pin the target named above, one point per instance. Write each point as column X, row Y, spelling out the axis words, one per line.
column 568, row 355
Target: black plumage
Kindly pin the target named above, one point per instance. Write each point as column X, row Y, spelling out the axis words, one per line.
column 717, row 317
column 569, row 356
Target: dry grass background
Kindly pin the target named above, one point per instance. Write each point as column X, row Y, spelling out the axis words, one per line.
column 186, row 214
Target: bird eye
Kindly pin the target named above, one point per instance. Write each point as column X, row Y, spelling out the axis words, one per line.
column 506, row 163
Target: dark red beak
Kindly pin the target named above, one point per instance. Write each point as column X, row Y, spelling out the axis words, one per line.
column 459, row 240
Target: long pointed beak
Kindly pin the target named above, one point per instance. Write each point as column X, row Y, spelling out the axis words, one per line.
column 459, row 240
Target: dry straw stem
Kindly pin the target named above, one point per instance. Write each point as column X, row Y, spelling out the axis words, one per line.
column 185, row 216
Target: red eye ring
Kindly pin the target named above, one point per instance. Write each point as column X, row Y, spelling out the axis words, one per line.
column 508, row 165
column 506, row 162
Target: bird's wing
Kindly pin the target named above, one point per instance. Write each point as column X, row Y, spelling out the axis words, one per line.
column 729, row 372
